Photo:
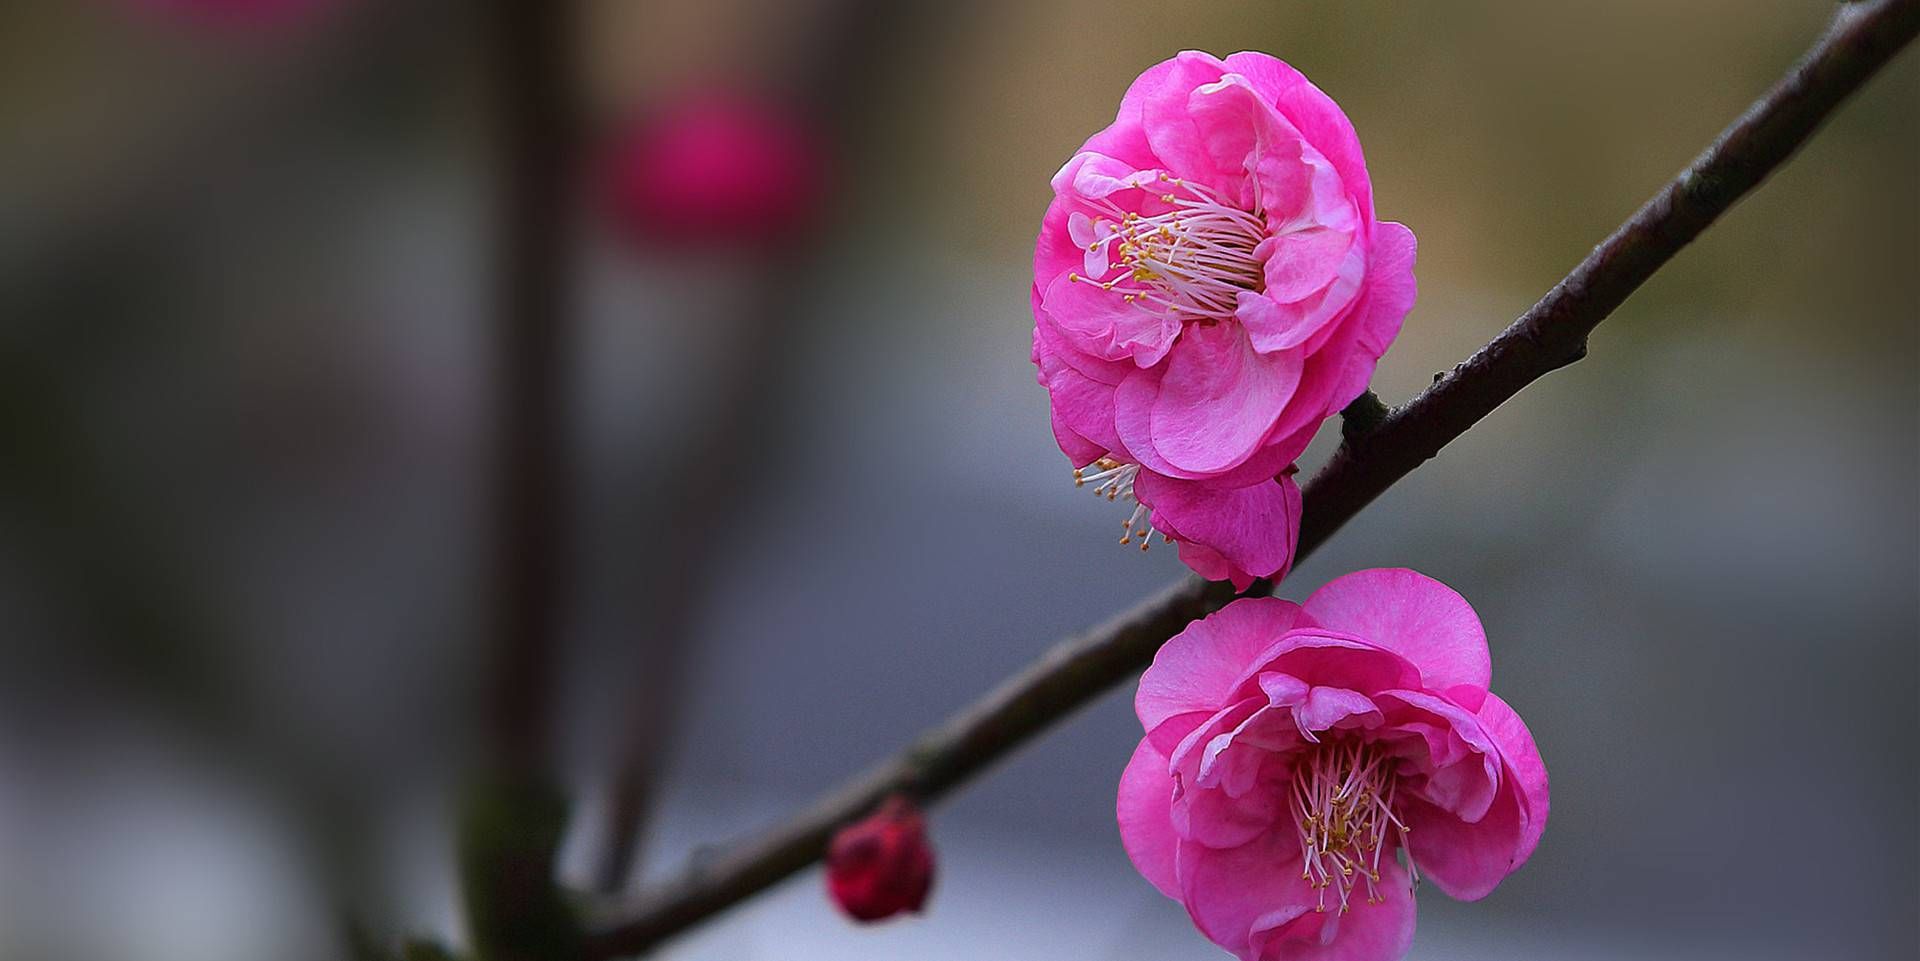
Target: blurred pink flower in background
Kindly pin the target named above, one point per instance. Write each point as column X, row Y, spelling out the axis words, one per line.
column 717, row 167
column 1209, row 285
column 883, row 864
column 1292, row 750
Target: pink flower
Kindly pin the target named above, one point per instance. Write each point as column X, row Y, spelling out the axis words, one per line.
column 1293, row 752
column 716, row 168
column 1209, row 285
column 881, row 865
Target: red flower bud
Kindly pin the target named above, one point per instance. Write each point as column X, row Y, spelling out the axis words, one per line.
column 881, row 865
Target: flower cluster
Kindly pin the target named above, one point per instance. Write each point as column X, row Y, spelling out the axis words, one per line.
column 1294, row 753
column 1210, row 284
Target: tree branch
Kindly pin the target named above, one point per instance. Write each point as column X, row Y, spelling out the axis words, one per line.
column 1550, row 335
column 512, row 815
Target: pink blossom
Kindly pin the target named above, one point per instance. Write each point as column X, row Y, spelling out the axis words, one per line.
column 1209, row 285
column 1293, row 753
column 716, row 168
column 883, row 864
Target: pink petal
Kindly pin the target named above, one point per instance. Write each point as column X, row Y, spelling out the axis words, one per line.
column 1176, row 139
column 1102, row 323
column 1203, row 813
column 1367, row 932
column 1133, row 422
column 1252, row 146
column 1212, row 565
column 1082, row 408
column 1315, row 115
column 1463, row 768
column 1525, row 770
column 1327, row 658
column 1253, row 528
column 1198, row 668
column 1275, row 323
column 1467, row 861
column 1126, row 138
column 1228, row 892
column 1050, row 339
column 1146, row 827
column 1326, row 708
column 1418, row 617
column 1302, row 262
column 1079, row 450
column 1391, row 290
column 1218, row 398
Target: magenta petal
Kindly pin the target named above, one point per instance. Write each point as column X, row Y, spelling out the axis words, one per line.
column 1198, row 668
column 1177, row 141
column 1079, row 450
column 1254, row 528
column 1299, row 263
column 1327, row 658
column 1314, row 115
column 1467, row 861
column 1219, row 398
column 1102, row 323
column 1230, row 892
column 1212, row 565
column 1463, row 768
column 1367, row 932
column 1146, row 827
column 1525, row 770
column 1203, row 813
column 1390, row 293
column 1416, row 616
column 1328, row 707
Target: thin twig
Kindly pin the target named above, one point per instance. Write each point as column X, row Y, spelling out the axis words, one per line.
column 512, row 815
column 1547, row 337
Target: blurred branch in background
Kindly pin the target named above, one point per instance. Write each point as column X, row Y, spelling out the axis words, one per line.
column 512, row 815
column 705, row 484
column 1550, row 335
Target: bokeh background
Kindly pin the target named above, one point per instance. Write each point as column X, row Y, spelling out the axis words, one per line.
column 243, row 380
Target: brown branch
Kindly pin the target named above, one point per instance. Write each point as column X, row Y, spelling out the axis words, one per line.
column 512, row 814
column 1547, row 337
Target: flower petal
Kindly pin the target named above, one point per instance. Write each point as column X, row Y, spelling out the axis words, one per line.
column 1462, row 765
column 1103, row 323
column 1314, row 114
column 1176, row 139
column 1146, row 826
column 1330, row 659
column 1197, row 669
column 1381, row 931
column 1416, row 616
column 1525, row 770
column 1253, row 528
column 1218, row 399
column 1467, row 861
column 1228, row 892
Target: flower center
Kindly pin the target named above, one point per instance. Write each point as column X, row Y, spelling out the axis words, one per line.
column 1343, row 805
column 1191, row 260
column 1113, row 480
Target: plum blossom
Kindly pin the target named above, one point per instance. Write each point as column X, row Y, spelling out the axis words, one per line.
column 1296, row 755
column 883, row 864
column 716, row 167
column 1210, row 284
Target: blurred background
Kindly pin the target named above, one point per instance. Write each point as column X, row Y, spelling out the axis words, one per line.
column 244, row 377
